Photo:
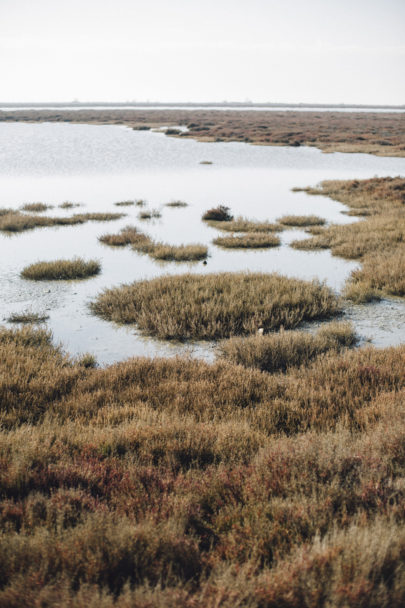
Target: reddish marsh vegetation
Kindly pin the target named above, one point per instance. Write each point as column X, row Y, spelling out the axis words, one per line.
column 370, row 132
column 180, row 483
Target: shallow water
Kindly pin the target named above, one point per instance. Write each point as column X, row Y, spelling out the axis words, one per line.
column 99, row 165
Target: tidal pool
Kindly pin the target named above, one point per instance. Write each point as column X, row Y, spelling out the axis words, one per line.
column 99, row 165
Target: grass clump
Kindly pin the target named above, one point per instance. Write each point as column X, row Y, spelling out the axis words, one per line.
column 68, row 205
column 124, row 203
column 19, row 222
column 177, row 204
column 248, row 241
column 36, row 207
column 280, row 351
column 127, row 236
column 27, row 317
column 301, row 220
column 381, row 274
column 206, row 162
column 242, row 224
column 217, row 305
column 219, row 214
column 173, row 253
column 149, row 214
column 60, row 270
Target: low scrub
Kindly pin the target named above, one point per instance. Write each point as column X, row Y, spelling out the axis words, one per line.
column 217, row 305
column 174, row 482
column 280, row 351
column 219, row 214
column 301, row 220
column 60, row 270
column 248, row 241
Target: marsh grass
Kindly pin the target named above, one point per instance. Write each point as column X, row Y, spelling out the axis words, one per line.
column 301, row 220
column 173, row 253
column 218, row 214
column 129, row 235
column 177, row 204
column 378, row 240
column 216, row 305
column 174, row 482
column 255, row 240
column 36, row 207
column 27, row 317
column 60, row 270
column 149, row 214
column 206, row 162
column 242, row 224
column 18, row 222
column 280, row 351
column 68, row 205
column 124, row 203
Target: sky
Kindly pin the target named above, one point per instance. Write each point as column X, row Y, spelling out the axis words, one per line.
column 290, row 51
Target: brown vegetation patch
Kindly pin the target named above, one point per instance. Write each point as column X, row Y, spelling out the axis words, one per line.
column 129, row 235
column 218, row 214
column 27, row 317
column 177, row 204
column 174, row 482
column 36, row 207
column 248, row 241
column 378, row 240
column 217, row 305
column 301, row 220
column 242, row 224
column 380, row 133
column 60, row 270
column 14, row 221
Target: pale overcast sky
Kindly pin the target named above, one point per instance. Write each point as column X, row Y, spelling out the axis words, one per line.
column 326, row 51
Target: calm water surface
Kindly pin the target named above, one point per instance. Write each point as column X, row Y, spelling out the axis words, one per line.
column 99, row 165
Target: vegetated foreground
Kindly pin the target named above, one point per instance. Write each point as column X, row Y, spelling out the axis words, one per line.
column 381, row 133
column 216, row 305
column 378, row 240
column 173, row 482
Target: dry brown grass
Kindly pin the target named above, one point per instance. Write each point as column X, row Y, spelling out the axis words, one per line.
column 255, row 240
column 173, row 482
column 280, row 351
column 19, row 222
column 124, row 203
column 172, row 253
column 369, row 132
column 36, row 207
column 27, row 317
column 242, row 224
column 68, row 205
column 60, row 270
column 217, row 305
column 378, row 240
column 127, row 236
column 149, row 214
column 218, row 214
column 301, row 220
column 177, row 204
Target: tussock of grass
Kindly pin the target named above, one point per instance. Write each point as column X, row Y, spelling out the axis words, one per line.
column 177, row 204
column 149, row 214
column 242, row 224
column 36, row 207
column 27, row 317
column 61, row 270
column 6, row 211
column 124, row 203
column 19, row 222
column 381, row 274
column 173, row 482
column 301, row 220
column 127, row 236
column 218, row 214
column 174, row 253
column 206, row 162
column 280, row 351
column 217, row 305
column 68, row 205
column 248, row 241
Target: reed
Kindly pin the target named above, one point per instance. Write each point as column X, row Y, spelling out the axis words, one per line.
column 60, row 270
column 216, row 305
